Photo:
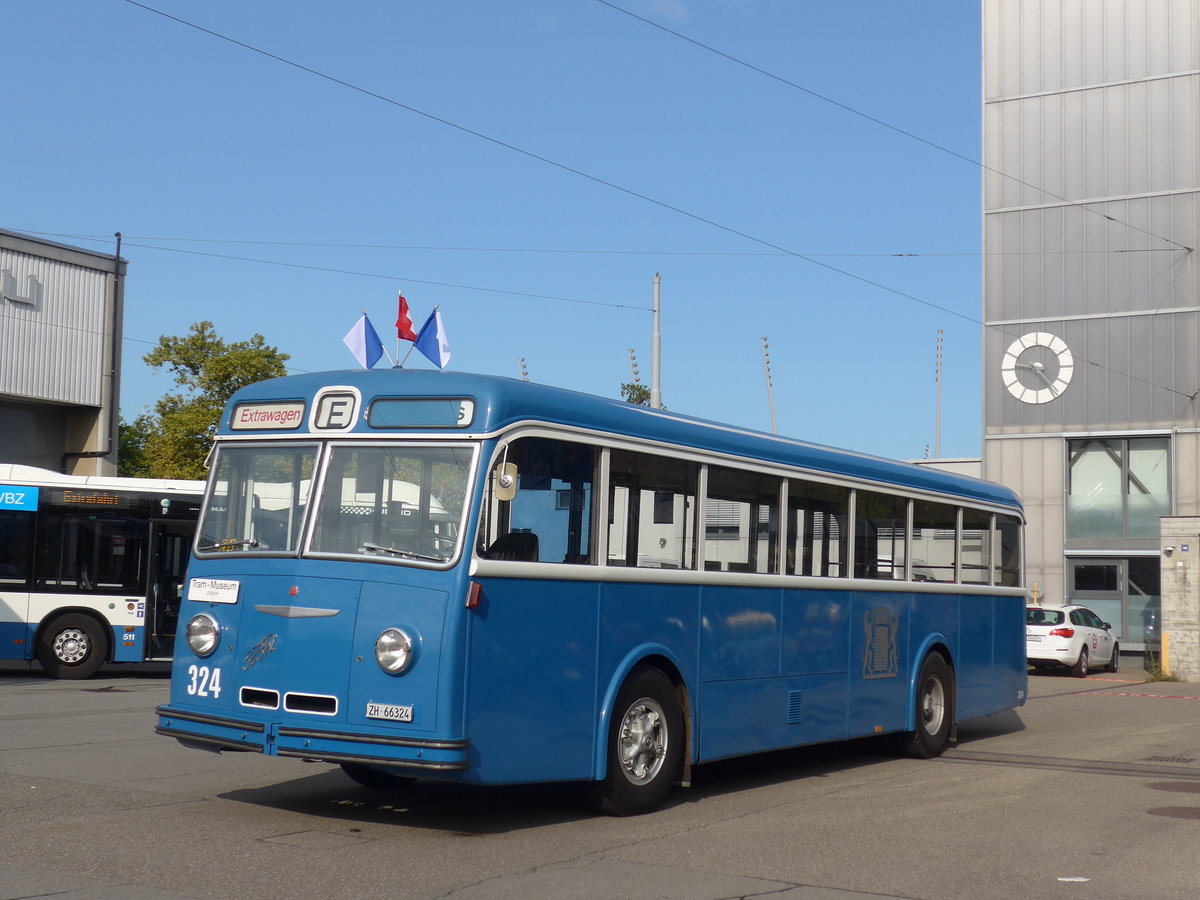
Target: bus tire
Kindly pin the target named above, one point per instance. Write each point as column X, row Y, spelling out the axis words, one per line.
column 72, row 646
column 645, row 746
column 369, row 776
column 934, row 710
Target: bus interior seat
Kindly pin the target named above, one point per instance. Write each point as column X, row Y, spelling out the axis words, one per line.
column 521, row 546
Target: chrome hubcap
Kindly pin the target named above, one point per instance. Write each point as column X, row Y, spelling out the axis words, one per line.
column 933, row 705
column 71, row 645
column 642, row 741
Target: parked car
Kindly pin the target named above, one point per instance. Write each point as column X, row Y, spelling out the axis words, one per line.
column 1072, row 637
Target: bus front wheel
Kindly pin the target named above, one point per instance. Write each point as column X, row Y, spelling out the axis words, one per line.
column 935, row 710
column 645, row 746
column 72, row 646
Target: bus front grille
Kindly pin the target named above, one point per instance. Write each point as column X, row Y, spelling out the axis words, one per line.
column 313, row 704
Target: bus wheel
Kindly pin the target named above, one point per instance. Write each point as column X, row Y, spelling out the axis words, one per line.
column 935, row 710
column 72, row 646
column 645, row 746
column 368, row 776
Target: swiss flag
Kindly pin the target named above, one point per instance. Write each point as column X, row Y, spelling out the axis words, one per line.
column 404, row 329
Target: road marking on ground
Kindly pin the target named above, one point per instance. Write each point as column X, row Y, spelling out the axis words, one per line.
column 1134, row 694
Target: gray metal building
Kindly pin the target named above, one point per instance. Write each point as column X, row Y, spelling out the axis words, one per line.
column 60, row 355
column 1091, row 288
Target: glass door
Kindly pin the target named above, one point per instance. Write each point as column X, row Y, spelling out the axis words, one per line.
column 1099, row 584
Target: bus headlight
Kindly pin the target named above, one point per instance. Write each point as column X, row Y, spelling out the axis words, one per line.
column 394, row 651
column 203, row 635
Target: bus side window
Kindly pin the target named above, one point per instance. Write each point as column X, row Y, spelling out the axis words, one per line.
column 550, row 518
column 935, row 526
column 16, row 533
column 1008, row 555
column 741, row 521
column 880, row 524
column 818, row 529
column 976, row 546
column 652, row 511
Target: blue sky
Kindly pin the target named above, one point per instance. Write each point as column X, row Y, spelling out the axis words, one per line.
column 271, row 200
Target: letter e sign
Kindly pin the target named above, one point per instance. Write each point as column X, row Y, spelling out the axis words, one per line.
column 335, row 411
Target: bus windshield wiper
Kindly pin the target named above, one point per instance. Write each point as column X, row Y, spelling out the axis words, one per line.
column 406, row 554
column 228, row 545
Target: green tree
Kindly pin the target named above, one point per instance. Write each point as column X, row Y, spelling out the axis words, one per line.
column 637, row 394
column 131, row 455
column 176, row 437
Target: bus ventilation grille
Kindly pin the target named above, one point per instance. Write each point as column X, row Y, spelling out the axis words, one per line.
column 795, row 707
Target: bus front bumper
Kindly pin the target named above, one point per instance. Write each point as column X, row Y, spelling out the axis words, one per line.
column 216, row 733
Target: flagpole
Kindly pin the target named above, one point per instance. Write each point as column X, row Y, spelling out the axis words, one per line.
column 655, row 352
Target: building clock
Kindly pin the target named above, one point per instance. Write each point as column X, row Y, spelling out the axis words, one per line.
column 1037, row 367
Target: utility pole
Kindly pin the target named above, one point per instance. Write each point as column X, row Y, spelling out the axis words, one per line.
column 770, row 394
column 656, row 352
column 937, row 377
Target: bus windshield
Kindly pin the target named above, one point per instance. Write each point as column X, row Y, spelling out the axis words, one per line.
column 258, row 499
column 395, row 501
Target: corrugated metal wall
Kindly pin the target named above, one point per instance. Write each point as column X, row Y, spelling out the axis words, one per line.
column 1093, row 108
column 53, row 348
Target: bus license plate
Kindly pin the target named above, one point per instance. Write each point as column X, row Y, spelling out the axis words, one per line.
column 389, row 711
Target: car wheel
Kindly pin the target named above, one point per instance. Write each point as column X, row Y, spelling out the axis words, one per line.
column 1080, row 669
column 72, row 646
column 1115, row 662
column 935, row 710
column 645, row 746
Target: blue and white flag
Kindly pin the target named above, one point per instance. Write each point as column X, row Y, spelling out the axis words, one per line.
column 364, row 343
column 431, row 340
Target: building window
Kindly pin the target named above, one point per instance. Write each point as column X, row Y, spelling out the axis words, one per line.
column 1117, row 489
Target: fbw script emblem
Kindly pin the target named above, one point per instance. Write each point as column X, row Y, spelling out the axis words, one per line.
column 880, row 659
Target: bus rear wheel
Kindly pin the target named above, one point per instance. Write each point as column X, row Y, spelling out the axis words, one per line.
column 72, row 646
column 935, row 710
column 645, row 746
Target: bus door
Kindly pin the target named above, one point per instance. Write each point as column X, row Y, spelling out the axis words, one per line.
column 16, row 555
column 170, row 545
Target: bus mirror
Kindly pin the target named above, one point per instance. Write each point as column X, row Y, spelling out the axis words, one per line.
column 505, row 478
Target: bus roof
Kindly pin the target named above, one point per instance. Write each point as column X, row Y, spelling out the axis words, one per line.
column 34, row 476
column 500, row 402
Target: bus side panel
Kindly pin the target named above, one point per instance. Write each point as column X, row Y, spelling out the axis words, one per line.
column 1012, row 666
column 974, row 665
column 634, row 614
column 815, row 632
column 770, row 713
column 740, row 633
column 16, row 631
column 880, row 660
column 531, row 691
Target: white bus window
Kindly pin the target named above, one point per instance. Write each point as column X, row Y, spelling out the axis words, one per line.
column 817, row 529
column 976, row 547
column 741, row 521
column 1008, row 557
column 880, row 525
column 550, row 518
column 935, row 527
column 652, row 503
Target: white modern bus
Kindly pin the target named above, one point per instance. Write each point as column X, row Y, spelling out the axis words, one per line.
column 91, row 568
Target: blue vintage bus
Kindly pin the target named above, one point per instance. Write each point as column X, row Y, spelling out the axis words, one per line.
column 422, row 574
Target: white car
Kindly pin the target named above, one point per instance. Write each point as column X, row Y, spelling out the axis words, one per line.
column 1070, row 636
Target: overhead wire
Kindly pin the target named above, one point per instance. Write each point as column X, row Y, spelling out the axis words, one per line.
column 628, row 191
column 888, row 125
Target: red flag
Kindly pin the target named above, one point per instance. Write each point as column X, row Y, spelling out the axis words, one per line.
column 404, row 329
